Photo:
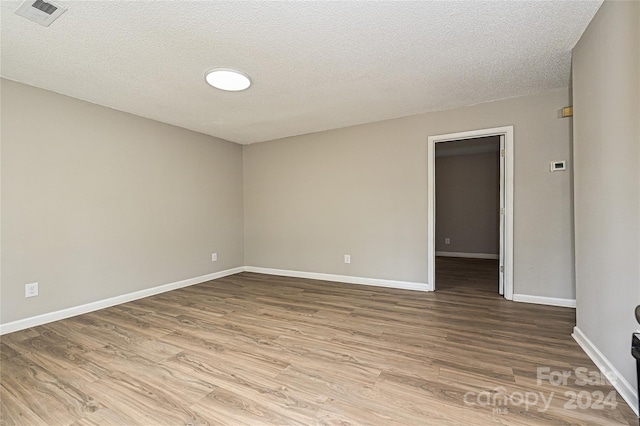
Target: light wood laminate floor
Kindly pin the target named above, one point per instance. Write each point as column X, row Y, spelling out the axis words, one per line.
column 253, row 349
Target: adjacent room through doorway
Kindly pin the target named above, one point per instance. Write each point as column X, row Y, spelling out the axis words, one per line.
column 467, row 215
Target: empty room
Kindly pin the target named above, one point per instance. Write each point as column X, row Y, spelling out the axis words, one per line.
column 319, row 213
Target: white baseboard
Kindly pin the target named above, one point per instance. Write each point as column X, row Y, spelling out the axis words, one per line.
column 624, row 388
column 105, row 303
column 469, row 255
column 541, row 300
column 406, row 285
column 22, row 324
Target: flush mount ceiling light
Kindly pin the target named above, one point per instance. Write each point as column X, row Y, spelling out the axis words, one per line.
column 227, row 79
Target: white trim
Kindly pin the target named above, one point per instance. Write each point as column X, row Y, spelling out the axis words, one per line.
column 507, row 132
column 406, row 285
column 624, row 388
column 22, row 324
column 105, row 303
column 501, row 224
column 542, row 300
column 467, row 255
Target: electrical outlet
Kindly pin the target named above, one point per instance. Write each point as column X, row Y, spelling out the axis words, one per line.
column 347, row 258
column 31, row 290
column 447, row 240
column 214, row 257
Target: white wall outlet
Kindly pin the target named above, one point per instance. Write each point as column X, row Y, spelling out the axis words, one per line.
column 31, row 290
column 347, row 258
column 214, row 257
column 447, row 240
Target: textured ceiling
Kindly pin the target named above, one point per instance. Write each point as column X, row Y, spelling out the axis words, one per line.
column 314, row 65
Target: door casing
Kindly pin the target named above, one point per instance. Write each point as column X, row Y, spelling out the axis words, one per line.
column 506, row 197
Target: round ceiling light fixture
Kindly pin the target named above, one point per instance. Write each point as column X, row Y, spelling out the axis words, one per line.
column 227, row 79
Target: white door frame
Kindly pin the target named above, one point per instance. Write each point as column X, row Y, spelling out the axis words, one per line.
column 507, row 132
column 501, row 177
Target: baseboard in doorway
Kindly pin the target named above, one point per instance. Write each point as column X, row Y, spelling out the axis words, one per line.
column 22, row 324
column 468, row 255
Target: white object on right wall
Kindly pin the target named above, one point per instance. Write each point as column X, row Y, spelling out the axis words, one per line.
column 557, row 166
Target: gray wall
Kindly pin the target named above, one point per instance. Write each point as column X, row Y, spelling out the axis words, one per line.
column 467, row 203
column 606, row 99
column 362, row 191
column 98, row 203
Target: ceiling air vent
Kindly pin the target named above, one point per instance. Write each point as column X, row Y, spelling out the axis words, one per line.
column 40, row 11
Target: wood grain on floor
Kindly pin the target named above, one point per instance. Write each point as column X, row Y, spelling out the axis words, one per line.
column 252, row 349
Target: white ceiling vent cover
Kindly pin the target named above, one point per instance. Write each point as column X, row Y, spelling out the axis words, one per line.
column 40, row 11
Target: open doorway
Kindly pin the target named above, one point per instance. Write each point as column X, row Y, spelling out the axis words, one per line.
column 467, row 180
column 505, row 235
